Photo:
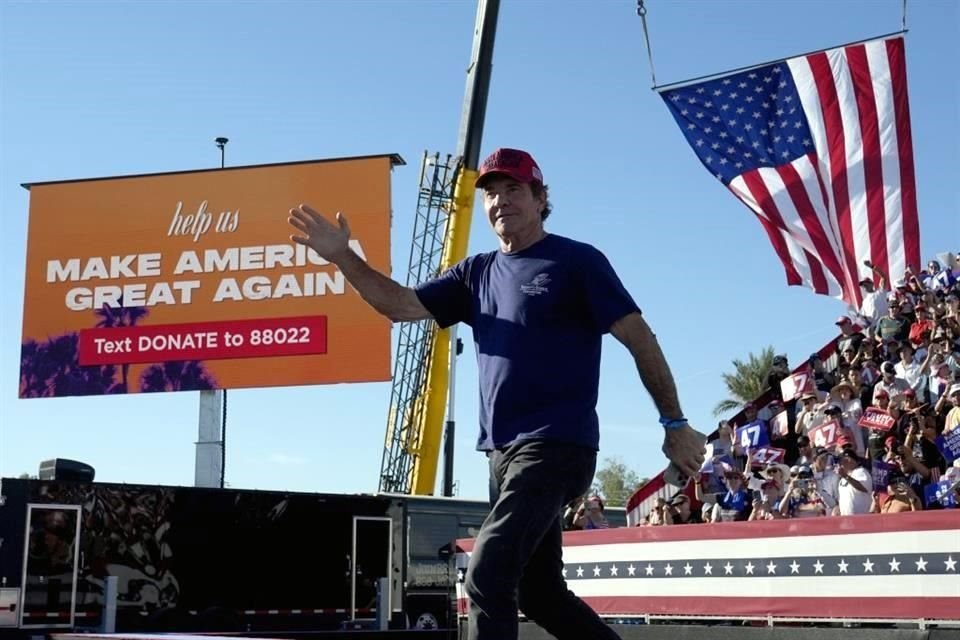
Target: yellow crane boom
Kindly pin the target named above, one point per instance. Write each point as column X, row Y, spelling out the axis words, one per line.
column 423, row 369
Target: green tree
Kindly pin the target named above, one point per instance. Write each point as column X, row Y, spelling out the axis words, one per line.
column 615, row 482
column 747, row 381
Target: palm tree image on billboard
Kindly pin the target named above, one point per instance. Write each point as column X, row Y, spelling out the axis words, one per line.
column 50, row 368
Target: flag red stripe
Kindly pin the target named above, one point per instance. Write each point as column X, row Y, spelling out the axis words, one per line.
column 823, row 193
column 850, row 286
column 861, row 607
column 817, row 277
column 833, row 126
column 908, row 188
column 872, row 155
column 801, row 200
column 780, row 246
column 773, row 224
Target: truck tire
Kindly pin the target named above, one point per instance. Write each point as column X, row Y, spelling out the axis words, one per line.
column 426, row 621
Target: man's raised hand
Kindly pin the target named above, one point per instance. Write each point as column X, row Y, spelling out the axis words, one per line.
column 331, row 243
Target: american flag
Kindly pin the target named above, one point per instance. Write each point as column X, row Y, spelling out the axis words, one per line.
column 819, row 148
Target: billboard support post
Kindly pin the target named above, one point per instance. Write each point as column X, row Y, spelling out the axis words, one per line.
column 208, row 462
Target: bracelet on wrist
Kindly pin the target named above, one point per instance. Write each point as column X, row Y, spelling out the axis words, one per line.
column 673, row 423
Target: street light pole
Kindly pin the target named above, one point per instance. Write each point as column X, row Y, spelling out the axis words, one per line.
column 212, row 429
column 221, row 143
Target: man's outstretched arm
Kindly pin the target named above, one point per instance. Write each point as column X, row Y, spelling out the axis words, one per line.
column 388, row 297
column 683, row 446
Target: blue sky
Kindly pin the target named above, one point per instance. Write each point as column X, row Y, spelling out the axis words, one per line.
column 109, row 88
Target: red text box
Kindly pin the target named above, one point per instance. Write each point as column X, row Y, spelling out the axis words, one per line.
column 259, row 338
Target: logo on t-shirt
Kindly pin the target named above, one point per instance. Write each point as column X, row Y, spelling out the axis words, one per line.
column 536, row 286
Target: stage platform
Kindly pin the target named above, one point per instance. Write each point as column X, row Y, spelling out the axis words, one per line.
column 626, row 632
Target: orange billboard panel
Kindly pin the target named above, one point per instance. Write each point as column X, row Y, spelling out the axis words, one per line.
column 186, row 281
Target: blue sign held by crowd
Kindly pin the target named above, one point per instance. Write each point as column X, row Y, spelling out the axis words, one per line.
column 949, row 445
column 940, row 492
column 881, row 472
column 753, row 435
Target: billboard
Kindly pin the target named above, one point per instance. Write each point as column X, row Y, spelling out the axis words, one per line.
column 189, row 281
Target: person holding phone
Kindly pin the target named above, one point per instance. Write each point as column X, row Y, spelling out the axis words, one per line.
column 766, row 503
column 900, row 496
column 803, row 500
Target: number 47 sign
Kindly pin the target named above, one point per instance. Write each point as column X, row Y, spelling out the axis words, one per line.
column 794, row 386
column 825, row 434
column 753, row 435
column 768, row 455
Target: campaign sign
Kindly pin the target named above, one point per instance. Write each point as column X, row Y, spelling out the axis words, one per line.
column 794, row 386
column 707, row 466
column 188, row 281
column 767, row 455
column 826, row 434
column 880, row 473
column 940, row 493
column 753, row 435
column 949, row 445
column 874, row 418
column 713, row 483
column 717, row 462
column 780, row 424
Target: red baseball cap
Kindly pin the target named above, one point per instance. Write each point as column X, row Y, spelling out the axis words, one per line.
column 515, row 163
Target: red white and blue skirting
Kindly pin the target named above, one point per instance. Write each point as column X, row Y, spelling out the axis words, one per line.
column 888, row 567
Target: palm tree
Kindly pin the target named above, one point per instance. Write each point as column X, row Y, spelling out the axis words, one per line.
column 50, row 369
column 32, row 381
column 121, row 316
column 180, row 375
column 747, row 382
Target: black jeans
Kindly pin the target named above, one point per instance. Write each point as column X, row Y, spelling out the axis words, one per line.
column 517, row 560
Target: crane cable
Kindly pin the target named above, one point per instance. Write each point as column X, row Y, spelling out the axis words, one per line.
column 642, row 12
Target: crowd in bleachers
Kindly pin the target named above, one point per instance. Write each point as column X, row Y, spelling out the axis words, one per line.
column 869, row 424
column 864, row 426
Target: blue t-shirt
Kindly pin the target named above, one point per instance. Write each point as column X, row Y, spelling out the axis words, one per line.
column 538, row 317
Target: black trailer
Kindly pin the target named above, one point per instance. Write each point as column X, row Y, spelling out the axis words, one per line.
column 201, row 559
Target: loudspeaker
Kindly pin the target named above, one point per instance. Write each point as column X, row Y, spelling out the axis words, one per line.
column 63, row 469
